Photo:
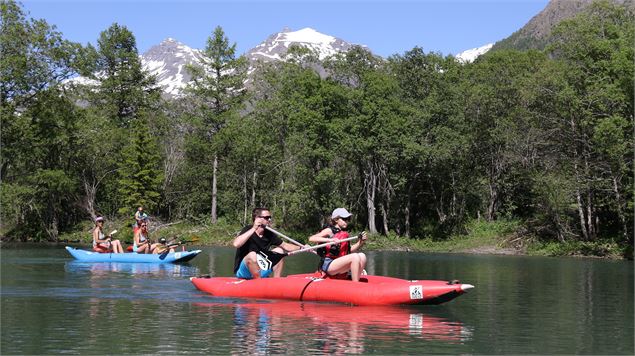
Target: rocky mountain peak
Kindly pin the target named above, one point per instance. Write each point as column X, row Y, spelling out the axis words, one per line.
column 167, row 61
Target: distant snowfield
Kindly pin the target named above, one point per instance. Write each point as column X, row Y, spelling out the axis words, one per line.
column 306, row 35
column 470, row 55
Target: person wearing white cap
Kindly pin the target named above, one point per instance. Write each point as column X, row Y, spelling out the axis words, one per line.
column 104, row 244
column 338, row 259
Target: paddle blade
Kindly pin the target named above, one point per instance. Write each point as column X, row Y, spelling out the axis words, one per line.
column 164, row 254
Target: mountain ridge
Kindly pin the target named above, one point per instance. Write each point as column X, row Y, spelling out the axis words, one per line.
column 535, row 33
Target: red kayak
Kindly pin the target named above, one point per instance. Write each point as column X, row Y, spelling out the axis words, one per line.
column 371, row 290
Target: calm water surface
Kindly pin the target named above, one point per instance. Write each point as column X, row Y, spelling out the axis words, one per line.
column 521, row 305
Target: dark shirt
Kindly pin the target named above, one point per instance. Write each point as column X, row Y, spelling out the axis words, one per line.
column 255, row 243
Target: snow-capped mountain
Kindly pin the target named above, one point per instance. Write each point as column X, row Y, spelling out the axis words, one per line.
column 276, row 45
column 167, row 61
column 470, row 55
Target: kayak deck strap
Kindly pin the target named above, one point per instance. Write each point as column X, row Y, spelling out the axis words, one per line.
column 304, row 289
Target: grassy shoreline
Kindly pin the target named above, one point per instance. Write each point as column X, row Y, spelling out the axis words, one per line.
column 481, row 238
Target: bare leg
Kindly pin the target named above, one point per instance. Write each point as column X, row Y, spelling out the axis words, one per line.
column 362, row 262
column 346, row 263
column 277, row 269
column 116, row 246
column 252, row 265
column 355, row 270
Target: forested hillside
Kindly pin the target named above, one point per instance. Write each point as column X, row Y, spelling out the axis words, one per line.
column 416, row 145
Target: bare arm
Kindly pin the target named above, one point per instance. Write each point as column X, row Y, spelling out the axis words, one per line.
column 137, row 238
column 291, row 247
column 322, row 236
column 242, row 238
column 96, row 236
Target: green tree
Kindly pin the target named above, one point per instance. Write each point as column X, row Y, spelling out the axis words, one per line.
column 502, row 123
column 218, row 90
column 39, row 140
column 436, row 165
column 370, row 131
column 590, row 112
column 140, row 174
column 124, row 89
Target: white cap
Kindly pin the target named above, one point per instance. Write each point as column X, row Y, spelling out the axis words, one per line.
column 340, row 213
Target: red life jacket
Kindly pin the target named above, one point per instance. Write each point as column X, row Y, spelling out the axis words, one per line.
column 336, row 250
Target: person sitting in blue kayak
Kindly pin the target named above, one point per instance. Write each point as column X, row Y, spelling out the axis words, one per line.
column 142, row 243
column 104, row 244
column 259, row 251
column 338, row 259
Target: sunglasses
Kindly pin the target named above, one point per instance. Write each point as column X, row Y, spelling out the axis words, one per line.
column 268, row 217
column 346, row 219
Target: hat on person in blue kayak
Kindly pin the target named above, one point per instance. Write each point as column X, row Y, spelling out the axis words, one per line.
column 340, row 213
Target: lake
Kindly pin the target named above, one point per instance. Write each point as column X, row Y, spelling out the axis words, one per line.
column 51, row 304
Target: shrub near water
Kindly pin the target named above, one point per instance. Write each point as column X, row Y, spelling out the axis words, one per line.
column 607, row 248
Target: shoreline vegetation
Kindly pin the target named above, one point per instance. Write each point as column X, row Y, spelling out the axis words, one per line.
column 481, row 237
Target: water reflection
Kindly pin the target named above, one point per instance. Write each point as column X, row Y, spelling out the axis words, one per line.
column 331, row 328
column 158, row 269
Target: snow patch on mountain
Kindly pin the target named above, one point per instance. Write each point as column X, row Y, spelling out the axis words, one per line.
column 470, row 55
column 277, row 45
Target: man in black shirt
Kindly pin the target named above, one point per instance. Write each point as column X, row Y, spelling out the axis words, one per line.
column 255, row 244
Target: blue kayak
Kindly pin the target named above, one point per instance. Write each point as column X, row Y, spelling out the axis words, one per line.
column 172, row 257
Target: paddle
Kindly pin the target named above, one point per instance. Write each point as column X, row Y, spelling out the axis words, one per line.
column 268, row 259
column 167, row 250
column 321, row 245
column 286, row 237
column 283, row 236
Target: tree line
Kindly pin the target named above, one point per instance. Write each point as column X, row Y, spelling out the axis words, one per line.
column 417, row 144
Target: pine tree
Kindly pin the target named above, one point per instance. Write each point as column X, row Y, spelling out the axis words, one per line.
column 140, row 174
column 124, row 87
column 218, row 88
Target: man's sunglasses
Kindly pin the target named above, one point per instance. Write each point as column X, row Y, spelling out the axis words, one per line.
column 268, row 217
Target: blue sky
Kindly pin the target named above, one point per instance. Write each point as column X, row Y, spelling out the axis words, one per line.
column 386, row 27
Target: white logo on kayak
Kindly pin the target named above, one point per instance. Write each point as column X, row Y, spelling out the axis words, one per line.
column 177, row 255
column 263, row 261
column 416, row 292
